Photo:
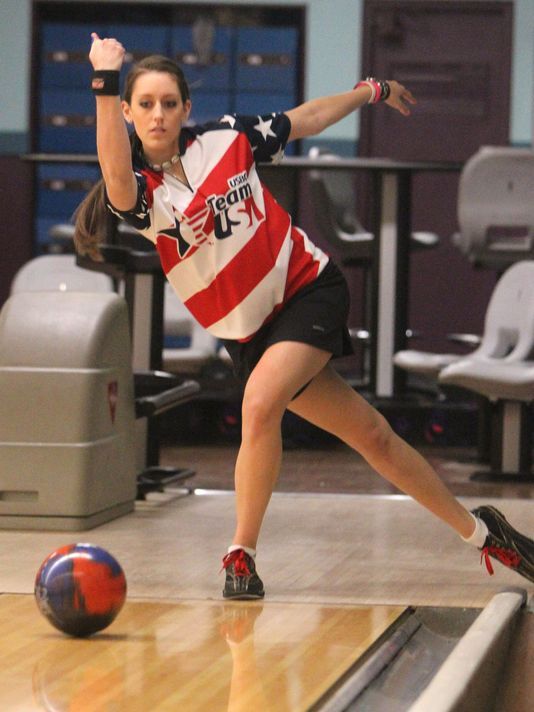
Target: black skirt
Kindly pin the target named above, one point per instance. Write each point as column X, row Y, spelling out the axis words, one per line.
column 317, row 315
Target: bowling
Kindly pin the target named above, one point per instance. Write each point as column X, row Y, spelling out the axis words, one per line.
column 80, row 589
column 287, row 248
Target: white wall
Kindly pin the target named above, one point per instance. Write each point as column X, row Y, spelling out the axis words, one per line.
column 333, row 49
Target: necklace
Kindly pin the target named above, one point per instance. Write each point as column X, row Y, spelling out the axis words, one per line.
column 166, row 164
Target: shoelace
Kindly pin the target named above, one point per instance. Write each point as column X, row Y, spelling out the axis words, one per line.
column 508, row 557
column 239, row 560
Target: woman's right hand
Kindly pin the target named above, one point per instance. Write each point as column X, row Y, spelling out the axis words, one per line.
column 106, row 54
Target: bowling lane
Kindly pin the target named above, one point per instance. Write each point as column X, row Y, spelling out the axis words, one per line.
column 195, row 655
column 328, row 549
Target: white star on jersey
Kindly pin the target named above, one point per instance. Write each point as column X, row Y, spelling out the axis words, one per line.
column 277, row 157
column 228, row 119
column 264, row 127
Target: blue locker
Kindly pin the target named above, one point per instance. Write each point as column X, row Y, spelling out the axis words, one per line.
column 209, row 106
column 62, row 187
column 42, row 228
column 64, row 55
column 217, row 73
column 65, row 49
column 267, row 59
column 254, row 103
column 67, row 121
column 140, row 41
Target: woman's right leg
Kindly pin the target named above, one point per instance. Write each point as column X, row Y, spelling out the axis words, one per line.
column 282, row 370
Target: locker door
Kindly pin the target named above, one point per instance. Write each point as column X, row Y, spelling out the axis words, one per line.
column 64, row 55
column 209, row 76
column 67, row 121
column 140, row 41
column 60, row 189
column 267, row 60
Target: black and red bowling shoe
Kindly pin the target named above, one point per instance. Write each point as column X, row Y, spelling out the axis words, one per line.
column 504, row 543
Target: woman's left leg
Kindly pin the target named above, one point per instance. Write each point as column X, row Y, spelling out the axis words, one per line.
column 330, row 403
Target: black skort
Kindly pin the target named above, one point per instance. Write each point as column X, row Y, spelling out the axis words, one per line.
column 317, row 315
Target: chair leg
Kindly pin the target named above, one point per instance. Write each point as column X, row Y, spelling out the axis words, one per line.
column 484, row 423
column 511, row 445
column 516, row 437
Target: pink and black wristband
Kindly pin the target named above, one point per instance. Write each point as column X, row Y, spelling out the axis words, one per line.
column 380, row 89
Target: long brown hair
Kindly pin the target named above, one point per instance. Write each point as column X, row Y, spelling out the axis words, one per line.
column 91, row 216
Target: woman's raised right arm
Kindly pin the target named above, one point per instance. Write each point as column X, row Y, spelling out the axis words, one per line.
column 113, row 144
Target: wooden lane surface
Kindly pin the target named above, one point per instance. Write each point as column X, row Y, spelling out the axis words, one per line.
column 187, row 656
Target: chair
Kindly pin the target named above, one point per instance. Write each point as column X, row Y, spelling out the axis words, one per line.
column 333, row 199
column 187, row 346
column 429, row 364
column 496, row 220
column 496, row 207
column 58, row 273
column 502, row 370
column 194, row 347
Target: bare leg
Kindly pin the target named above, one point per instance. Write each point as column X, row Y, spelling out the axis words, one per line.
column 330, row 403
column 283, row 369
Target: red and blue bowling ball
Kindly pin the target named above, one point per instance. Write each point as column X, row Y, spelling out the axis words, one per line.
column 80, row 589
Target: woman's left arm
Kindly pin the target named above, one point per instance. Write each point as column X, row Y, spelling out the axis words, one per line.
column 312, row 117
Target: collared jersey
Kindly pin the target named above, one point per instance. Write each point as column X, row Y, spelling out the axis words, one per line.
column 227, row 247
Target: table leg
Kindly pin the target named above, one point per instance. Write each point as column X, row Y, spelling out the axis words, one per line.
column 391, row 279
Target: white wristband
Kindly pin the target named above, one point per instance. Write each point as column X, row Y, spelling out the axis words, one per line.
column 372, row 87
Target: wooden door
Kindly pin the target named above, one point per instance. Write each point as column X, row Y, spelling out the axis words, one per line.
column 456, row 58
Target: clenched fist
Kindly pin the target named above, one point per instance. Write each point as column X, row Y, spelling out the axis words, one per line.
column 106, row 54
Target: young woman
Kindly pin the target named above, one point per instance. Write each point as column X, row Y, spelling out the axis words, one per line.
column 257, row 282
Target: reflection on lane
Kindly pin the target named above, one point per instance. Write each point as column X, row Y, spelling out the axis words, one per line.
column 201, row 655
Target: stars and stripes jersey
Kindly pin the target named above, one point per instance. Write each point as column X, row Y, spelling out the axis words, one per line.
column 227, row 247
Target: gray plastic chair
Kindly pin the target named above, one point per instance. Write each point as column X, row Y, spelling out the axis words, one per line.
column 334, row 202
column 496, row 219
column 502, row 370
column 179, row 322
column 496, row 207
column 333, row 199
column 58, row 273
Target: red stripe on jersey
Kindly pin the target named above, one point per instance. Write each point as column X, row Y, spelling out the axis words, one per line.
column 236, row 159
column 153, row 181
column 245, row 271
column 302, row 269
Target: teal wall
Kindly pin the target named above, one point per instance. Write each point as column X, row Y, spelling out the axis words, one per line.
column 333, row 49
column 522, row 114
column 15, row 47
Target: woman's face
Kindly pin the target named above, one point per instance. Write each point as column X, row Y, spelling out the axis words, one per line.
column 157, row 113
